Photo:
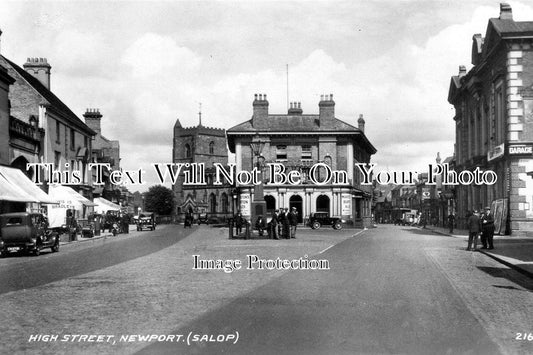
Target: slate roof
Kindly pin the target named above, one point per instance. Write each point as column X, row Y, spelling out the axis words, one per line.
column 51, row 99
column 514, row 28
column 296, row 124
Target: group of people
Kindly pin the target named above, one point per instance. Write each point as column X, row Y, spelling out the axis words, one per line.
column 283, row 224
column 481, row 225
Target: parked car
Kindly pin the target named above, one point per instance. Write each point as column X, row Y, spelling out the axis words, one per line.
column 28, row 232
column 203, row 218
column 318, row 219
column 146, row 220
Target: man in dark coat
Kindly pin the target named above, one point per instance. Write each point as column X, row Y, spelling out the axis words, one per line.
column 125, row 221
column 487, row 229
column 260, row 225
column 273, row 226
column 474, row 227
column 238, row 223
column 451, row 222
column 285, row 223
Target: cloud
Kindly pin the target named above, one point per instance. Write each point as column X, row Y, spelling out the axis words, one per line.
column 154, row 54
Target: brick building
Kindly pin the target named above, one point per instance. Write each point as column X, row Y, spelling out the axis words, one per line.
column 494, row 122
column 42, row 128
column 299, row 141
column 104, row 151
column 5, row 81
column 205, row 145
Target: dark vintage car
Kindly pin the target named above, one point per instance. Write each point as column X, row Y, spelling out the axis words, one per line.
column 146, row 220
column 28, row 232
column 203, row 218
column 319, row 219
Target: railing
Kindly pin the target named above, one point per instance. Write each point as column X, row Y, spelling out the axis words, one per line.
column 24, row 129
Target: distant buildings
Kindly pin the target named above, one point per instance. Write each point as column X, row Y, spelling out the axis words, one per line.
column 205, row 145
column 494, row 123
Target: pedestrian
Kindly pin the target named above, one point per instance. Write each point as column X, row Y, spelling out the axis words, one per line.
column 260, row 225
column 451, row 222
column 474, row 227
column 293, row 221
column 286, row 224
column 273, row 225
column 125, row 221
column 278, row 223
column 487, row 229
column 238, row 223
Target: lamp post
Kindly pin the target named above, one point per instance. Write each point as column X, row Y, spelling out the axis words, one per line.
column 258, row 205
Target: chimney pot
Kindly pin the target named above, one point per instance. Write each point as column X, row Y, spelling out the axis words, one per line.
column 265, row 96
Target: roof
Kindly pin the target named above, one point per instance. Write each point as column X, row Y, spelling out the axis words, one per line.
column 297, row 124
column 52, row 100
column 509, row 28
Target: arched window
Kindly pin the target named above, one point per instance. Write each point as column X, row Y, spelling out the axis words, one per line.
column 212, row 203
column 322, row 203
column 225, row 203
column 187, row 151
column 212, row 148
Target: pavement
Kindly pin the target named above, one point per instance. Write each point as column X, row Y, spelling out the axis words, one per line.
column 514, row 252
column 80, row 238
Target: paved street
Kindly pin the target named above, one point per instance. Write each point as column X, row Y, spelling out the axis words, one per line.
column 389, row 290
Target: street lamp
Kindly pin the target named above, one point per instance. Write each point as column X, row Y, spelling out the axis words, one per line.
column 258, row 203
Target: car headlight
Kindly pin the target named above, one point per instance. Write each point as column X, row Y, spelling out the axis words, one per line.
column 33, row 240
column 343, row 221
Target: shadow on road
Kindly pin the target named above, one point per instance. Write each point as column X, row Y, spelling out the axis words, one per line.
column 510, row 275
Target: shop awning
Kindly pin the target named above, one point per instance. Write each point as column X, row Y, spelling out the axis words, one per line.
column 105, row 205
column 15, row 186
column 66, row 195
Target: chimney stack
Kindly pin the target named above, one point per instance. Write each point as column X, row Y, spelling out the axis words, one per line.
column 260, row 116
column 361, row 123
column 462, row 70
column 506, row 13
column 40, row 69
column 326, row 110
column 295, row 108
column 92, row 119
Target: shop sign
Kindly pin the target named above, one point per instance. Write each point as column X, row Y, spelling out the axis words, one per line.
column 495, row 152
column 520, row 149
column 346, row 204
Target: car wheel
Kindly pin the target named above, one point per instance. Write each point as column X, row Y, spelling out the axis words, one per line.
column 316, row 225
column 337, row 225
column 37, row 251
column 55, row 247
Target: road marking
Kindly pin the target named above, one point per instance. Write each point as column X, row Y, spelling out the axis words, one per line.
column 326, row 248
column 356, row 234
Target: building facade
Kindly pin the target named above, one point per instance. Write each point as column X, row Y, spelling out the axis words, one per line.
column 300, row 141
column 42, row 128
column 5, row 82
column 494, row 123
column 201, row 145
column 104, row 151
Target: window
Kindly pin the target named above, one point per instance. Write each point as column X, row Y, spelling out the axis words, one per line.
column 187, row 151
column 212, row 148
column 281, row 153
column 72, row 139
column 58, row 132
column 57, row 160
column 499, row 111
column 306, row 152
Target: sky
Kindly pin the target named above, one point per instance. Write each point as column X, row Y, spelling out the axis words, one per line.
column 145, row 64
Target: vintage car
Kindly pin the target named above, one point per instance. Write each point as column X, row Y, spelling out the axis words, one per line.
column 203, row 218
column 146, row 220
column 28, row 232
column 318, row 219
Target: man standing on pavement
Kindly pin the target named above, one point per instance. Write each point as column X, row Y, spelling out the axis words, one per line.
column 487, row 229
column 451, row 222
column 274, row 225
column 293, row 221
column 285, row 223
column 474, row 227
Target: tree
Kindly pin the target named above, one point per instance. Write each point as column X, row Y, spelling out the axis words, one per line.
column 159, row 199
